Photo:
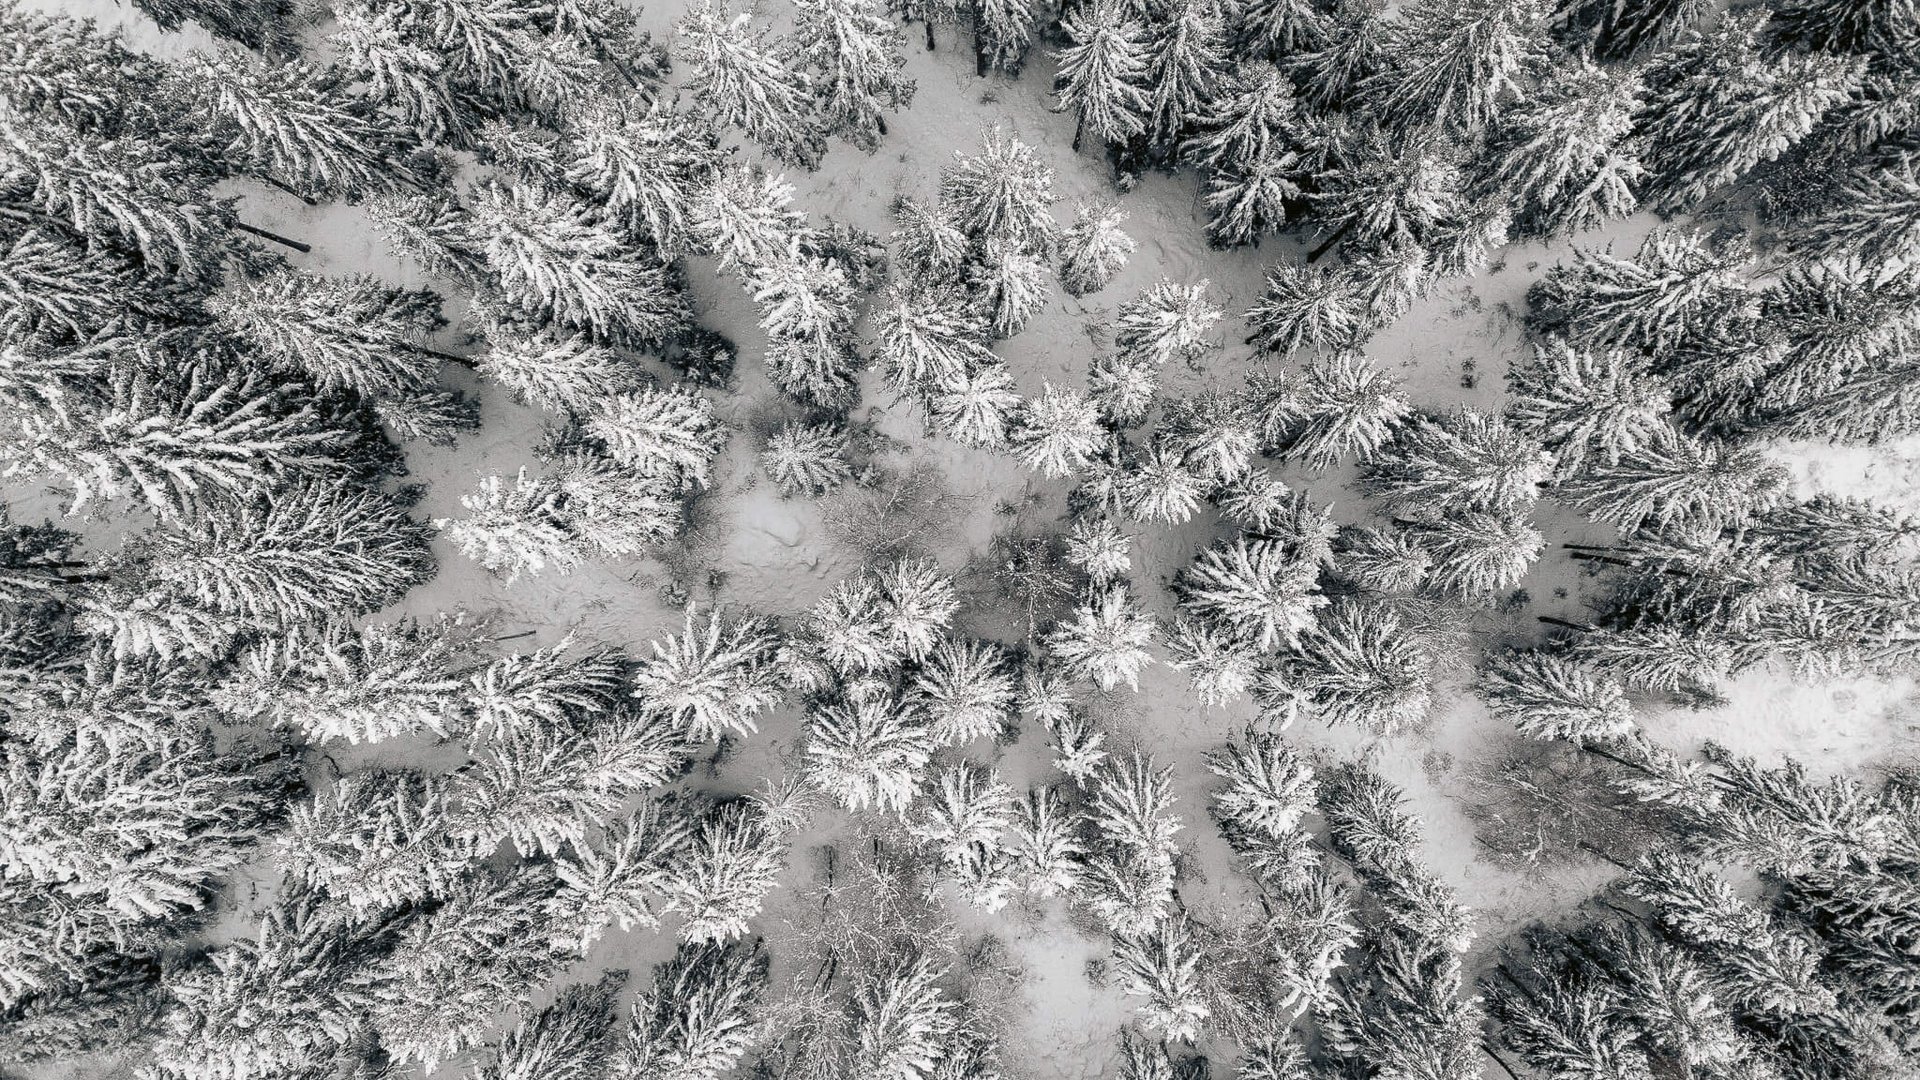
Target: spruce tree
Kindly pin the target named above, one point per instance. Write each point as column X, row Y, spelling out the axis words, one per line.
column 645, row 167
column 806, row 459
column 1106, row 640
column 965, row 690
column 1057, row 432
column 1470, row 462
column 1093, row 248
column 1220, row 665
column 1159, row 486
column 712, row 679
column 1103, row 73
column 567, row 1040
column 1478, row 553
column 561, row 372
column 1350, row 407
column 1360, row 664
column 720, row 879
column 1552, row 696
column 868, row 750
column 859, row 68
column 1253, row 587
column 351, row 333
column 748, row 81
column 697, row 1019
column 1563, row 157
column 375, row 840
column 1451, row 64
column 1163, row 966
column 745, row 218
column 1875, row 217
column 1186, row 51
column 1003, row 193
column 1678, row 286
column 1679, row 484
column 1307, row 306
column 1587, row 404
column 669, row 437
column 1166, row 322
column 977, row 408
column 1003, row 32
column 381, row 681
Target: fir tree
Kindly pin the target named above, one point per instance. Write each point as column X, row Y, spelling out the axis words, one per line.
column 668, row 438
column 1451, row 64
column 1093, row 248
column 295, row 125
column 868, row 750
column 1348, row 54
column 1583, row 405
column 745, row 218
column 965, row 690
column 1158, row 486
column 1359, row 664
column 382, row 681
column 1717, row 105
column 1167, row 321
column 1248, row 202
column 926, row 337
column 806, row 459
column 747, row 81
column 1678, row 286
column 927, row 244
column 1047, row 851
column 1185, row 50
column 721, row 879
column 900, row 1019
column 803, row 298
column 1099, row 549
column 1479, row 553
column 1550, row 696
column 1564, row 157
column 1102, row 75
column 1875, row 217
column 552, row 686
column 646, row 167
column 1249, row 119
column 1252, row 587
column 1057, row 432
column 1220, row 664
column 567, row 1040
column 1678, row 484
column 1471, row 462
column 1123, row 389
column 1392, row 193
column 344, row 333
column 1164, row 968
column 374, row 840
column 1131, row 804
column 1106, row 640
column 1269, row 789
column 558, row 371
column 1003, row 31
column 1011, row 286
column 622, row 880
column 857, row 52
column 1306, row 306
column 697, row 1019
column 977, row 408
column 712, row 679
column 1004, row 193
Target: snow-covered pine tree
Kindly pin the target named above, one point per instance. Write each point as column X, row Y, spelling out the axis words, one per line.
column 803, row 298
column 1347, row 55
column 1046, row 847
column 965, row 690
column 622, row 878
column 1451, row 64
column 306, row 554
column 1163, row 966
column 1186, row 53
column 720, row 880
column 645, row 166
column 1003, row 193
column 668, row 438
column 1057, row 432
column 1874, row 217
column 1123, row 388
column 557, row 259
column 977, row 408
column 1393, row 192
column 748, row 80
column 1563, row 157
column 1678, row 286
column 1551, row 696
column 1581, row 404
column 296, row 125
column 352, row 333
column 552, row 686
column 1099, row 549
column 381, row 46
column 901, row 1017
column 1314, row 307
column 1269, row 787
column 1093, row 248
column 745, row 219
column 1718, row 104
column 1010, row 286
column 1003, row 32
column 1158, row 486
column 868, row 749
column 928, row 336
column 1477, row 553
column 1410, row 1015
column 1253, row 587
column 1168, row 321
column 713, row 678
column 806, row 459
column 1221, row 665
column 562, row 372
column 927, row 245
column 1468, row 462
column 1350, row 407
column 1250, row 118
column 1678, row 484
column 1247, row 202
column 1106, row 640
column 1568, row 1022
column 567, row 1040
column 375, row 840
column 1102, row 74
column 381, row 681
column 1362, row 664
column 698, row 1018
column 856, row 54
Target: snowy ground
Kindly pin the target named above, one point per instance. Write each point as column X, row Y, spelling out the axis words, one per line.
column 1451, row 350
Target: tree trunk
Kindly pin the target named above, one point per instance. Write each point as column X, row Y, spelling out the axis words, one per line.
column 1327, row 245
column 1552, row 621
column 929, row 35
column 289, row 189
column 1079, row 128
column 275, row 237
column 444, row 357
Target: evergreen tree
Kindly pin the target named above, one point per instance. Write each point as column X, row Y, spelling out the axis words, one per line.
column 1478, row 553
column 1349, row 407
column 1678, row 484
column 1185, row 51
column 344, row 333
column 1551, row 696
column 555, row 259
column 1875, row 217
column 1220, row 664
column 1103, row 73
column 1107, row 639
column 1269, row 788
column 697, row 1019
column 1583, row 404
column 1163, row 966
column 1470, row 462
column 1250, row 118
column 1099, row 549
column 1003, row 32
column 1563, row 157
column 1569, row 1025
column 623, row 879
column 900, row 1019
column 1047, row 850
column 1450, row 64
column 1255, row 588
column 1383, row 561
column 1093, row 248
column 745, row 218
column 745, row 80
column 645, row 167
column 977, row 408
column 561, row 372
column 1057, row 432
column 1011, row 286
column 926, row 337
column 1158, row 486
column 1307, row 306
column 1004, row 193
column 1360, row 664
column 927, row 244
column 1717, row 105
column 382, row 681
column 860, row 67
column 806, row 459
column 868, row 750
column 965, row 690
column 1677, row 287
column 721, row 879
column 296, row 125
column 1347, row 55
column 1123, row 389
column 712, row 680
column 1392, row 193
column 803, row 298
column 1248, row 202
column 1130, row 807
column 567, row 1040
column 1167, row 321
column 375, row 840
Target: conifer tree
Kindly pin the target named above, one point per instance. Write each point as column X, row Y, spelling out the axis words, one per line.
column 926, row 337
column 1550, row 696
column 1093, row 248
column 567, row 1040
column 1470, row 462
column 1099, row 549
column 1011, row 286
column 1123, row 389
column 1046, row 848
column 1249, row 119
column 900, row 1019
column 1220, row 664
column 1450, row 64
column 860, row 67
column 1347, row 55
column 621, row 879
column 1307, row 306
column 1564, row 156
column 1269, row 788
column 1003, row 193
column 645, row 166
column 697, row 1019
column 1678, row 484
column 1393, row 192
column 721, row 879
column 745, row 218
column 1359, row 664
column 1253, row 587
column 1587, row 404
column 1003, row 32
column 748, row 81
column 977, row 408
column 555, row 259
column 1717, row 105
column 1247, row 202
column 1167, row 321
column 381, row 681
column 1478, row 553
column 296, row 125
column 868, row 750
column 965, row 690
column 669, row 437
column 1103, row 72
column 927, row 244
column 1678, row 286
column 558, row 371
column 806, row 459
column 1569, row 1025
column 1874, row 217
column 1057, row 432
column 1185, row 47
column 1163, row 966
column 712, row 679
column 374, row 840
column 803, row 298
column 1158, row 486
column 1106, row 640
column 349, row 333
